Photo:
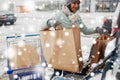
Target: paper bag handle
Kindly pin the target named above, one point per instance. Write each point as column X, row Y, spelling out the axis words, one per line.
column 59, row 27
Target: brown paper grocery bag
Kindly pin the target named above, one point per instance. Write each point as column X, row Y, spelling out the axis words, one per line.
column 61, row 49
column 23, row 57
column 99, row 49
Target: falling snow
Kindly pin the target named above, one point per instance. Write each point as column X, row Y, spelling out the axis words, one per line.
column 30, row 22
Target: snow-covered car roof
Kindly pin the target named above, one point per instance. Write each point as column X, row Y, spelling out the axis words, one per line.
column 6, row 12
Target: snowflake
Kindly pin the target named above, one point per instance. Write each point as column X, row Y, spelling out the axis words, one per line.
column 15, row 76
column 19, row 53
column 73, row 26
column 57, row 73
column 47, row 45
column 49, row 65
column 2, row 57
column 25, row 49
column 81, row 25
column 6, row 68
column 66, row 33
column 94, row 41
column 60, row 42
column 73, row 62
column 62, row 18
column 92, row 74
column 98, row 52
column 12, row 64
column 52, row 33
column 80, row 59
column 43, row 64
column 10, row 53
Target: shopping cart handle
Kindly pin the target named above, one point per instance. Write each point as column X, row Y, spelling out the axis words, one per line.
column 9, row 71
column 27, row 35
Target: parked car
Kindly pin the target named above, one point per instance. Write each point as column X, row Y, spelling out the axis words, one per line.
column 7, row 17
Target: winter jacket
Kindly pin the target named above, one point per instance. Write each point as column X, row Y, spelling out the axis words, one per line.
column 69, row 20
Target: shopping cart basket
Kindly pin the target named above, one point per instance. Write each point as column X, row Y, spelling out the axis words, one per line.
column 25, row 73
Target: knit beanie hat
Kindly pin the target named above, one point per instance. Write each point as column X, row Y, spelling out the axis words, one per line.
column 68, row 2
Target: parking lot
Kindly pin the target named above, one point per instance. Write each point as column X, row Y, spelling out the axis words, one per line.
column 30, row 25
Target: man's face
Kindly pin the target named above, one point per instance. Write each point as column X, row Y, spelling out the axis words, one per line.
column 75, row 6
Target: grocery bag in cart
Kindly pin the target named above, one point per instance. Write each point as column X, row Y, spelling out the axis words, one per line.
column 62, row 50
column 24, row 57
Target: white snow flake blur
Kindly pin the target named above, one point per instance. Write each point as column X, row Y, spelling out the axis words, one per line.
column 10, row 53
column 66, row 33
column 47, row 45
column 29, row 22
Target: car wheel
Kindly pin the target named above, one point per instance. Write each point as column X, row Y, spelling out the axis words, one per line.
column 11, row 22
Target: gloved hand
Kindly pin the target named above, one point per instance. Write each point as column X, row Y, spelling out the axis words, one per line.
column 101, row 31
column 107, row 25
column 53, row 23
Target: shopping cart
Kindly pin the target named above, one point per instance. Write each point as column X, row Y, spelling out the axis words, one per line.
column 26, row 73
